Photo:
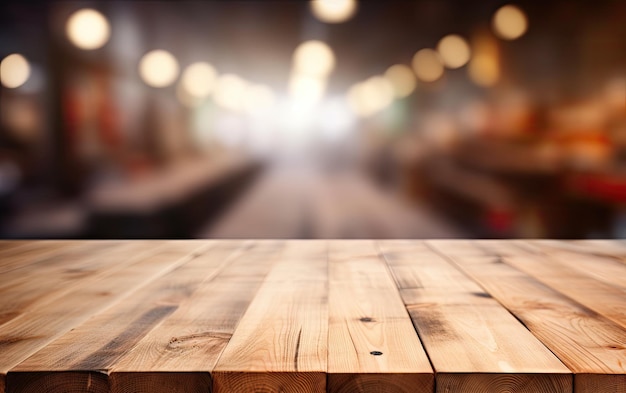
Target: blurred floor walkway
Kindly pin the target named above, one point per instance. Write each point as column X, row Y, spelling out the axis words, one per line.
column 296, row 202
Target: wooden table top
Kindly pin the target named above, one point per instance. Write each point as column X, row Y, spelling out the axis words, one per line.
column 313, row 316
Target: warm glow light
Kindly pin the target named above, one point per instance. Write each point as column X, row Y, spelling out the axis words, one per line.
column 510, row 22
column 454, row 51
column 199, row 79
column 484, row 71
column 335, row 120
column 158, row 68
column 484, row 68
column 427, row 65
column 230, row 91
column 333, row 11
column 402, row 79
column 88, row 29
column 14, row 71
column 379, row 92
column 306, row 89
column 258, row 99
column 187, row 99
column 314, row 58
column 371, row 96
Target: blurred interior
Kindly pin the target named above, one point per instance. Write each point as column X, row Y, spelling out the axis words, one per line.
column 323, row 119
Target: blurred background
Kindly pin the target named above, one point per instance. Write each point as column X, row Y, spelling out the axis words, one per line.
column 322, row 119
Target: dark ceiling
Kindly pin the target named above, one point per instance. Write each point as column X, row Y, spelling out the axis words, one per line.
column 256, row 38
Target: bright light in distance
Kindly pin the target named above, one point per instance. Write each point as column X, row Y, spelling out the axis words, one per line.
column 484, row 70
column 335, row 119
column 379, row 92
column 258, row 99
column 88, row 29
column 187, row 99
column 306, row 89
column 454, row 51
column 484, row 67
column 199, row 79
column 510, row 22
column 313, row 58
column 229, row 129
column 427, row 65
column 230, row 91
column 295, row 114
column 402, row 80
column 158, row 68
column 14, row 71
column 358, row 101
column 334, row 11
column 371, row 96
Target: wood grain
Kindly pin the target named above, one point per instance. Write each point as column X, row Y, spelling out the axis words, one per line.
column 281, row 341
column 473, row 342
column 51, row 277
column 23, row 336
column 372, row 345
column 102, row 340
column 187, row 344
column 604, row 268
column 598, row 296
column 75, row 382
column 311, row 316
column 591, row 346
column 33, row 252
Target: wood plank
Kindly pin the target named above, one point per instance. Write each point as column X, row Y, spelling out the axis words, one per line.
column 593, row 347
column 6, row 245
column 184, row 348
column 615, row 249
column 372, row 345
column 102, row 340
column 596, row 295
column 23, row 336
column 607, row 269
column 44, row 281
column 473, row 342
column 34, row 252
column 281, row 341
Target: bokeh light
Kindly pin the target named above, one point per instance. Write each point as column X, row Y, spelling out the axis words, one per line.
column 372, row 96
column 158, row 68
column 454, row 51
column 356, row 101
column 379, row 91
column 306, row 89
column 88, row 29
column 427, row 65
column 336, row 121
column 484, row 67
column 314, row 58
column 230, row 91
column 402, row 80
column 14, row 71
column 258, row 99
column 334, row 11
column 199, row 79
column 510, row 22
column 187, row 99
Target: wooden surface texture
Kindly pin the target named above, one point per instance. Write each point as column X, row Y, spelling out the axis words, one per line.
column 313, row 316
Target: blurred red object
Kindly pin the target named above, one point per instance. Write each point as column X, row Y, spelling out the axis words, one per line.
column 609, row 188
